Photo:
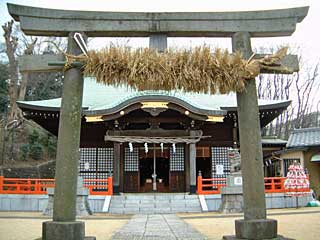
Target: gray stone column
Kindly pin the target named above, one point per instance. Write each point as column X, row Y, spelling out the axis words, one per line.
column 64, row 225
column 254, row 225
column 158, row 41
column 64, row 207
column 193, row 169
column 116, row 167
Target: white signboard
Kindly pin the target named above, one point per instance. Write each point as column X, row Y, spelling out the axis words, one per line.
column 219, row 169
column 86, row 166
column 238, row 181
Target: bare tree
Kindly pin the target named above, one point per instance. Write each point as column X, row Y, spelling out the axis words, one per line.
column 25, row 75
column 301, row 88
column 17, row 44
column 11, row 47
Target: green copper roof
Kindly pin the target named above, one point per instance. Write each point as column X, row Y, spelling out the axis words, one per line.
column 99, row 97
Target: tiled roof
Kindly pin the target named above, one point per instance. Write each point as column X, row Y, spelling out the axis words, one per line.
column 305, row 137
column 97, row 96
column 273, row 141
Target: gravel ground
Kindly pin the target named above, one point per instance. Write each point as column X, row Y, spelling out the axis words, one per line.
column 300, row 224
column 27, row 226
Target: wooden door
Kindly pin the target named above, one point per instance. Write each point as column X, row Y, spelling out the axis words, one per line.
column 131, row 170
column 177, row 170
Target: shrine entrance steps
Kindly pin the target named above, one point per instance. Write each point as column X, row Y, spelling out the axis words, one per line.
column 154, row 203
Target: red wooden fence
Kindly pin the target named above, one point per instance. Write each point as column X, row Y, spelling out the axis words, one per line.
column 272, row 185
column 105, row 186
column 39, row 186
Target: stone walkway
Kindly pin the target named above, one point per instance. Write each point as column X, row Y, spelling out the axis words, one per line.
column 157, row 226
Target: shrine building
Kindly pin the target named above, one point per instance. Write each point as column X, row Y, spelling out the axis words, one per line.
column 153, row 140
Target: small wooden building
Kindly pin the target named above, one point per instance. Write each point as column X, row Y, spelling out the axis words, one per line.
column 303, row 147
column 152, row 140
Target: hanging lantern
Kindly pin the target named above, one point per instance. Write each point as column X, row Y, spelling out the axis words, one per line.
column 173, row 147
column 161, row 146
column 130, row 147
column 146, row 147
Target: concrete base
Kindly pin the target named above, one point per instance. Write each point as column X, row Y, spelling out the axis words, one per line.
column 82, row 204
column 232, row 195
column 279, row 237
column 64, row 230
column 256, row 229
column 116, row 190
column 193, row 189
column 232, row 200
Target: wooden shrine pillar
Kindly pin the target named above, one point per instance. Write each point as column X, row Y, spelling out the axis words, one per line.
column 116, row 167
column 254, row 225
column 193, row 167
column 64, row 224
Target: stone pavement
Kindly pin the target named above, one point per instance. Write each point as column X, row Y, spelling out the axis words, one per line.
column 157, row 226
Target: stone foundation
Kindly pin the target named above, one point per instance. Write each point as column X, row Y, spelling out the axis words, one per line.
column 232, row 195
column 279, row 237
column 259, row 229
column 52, row 230
column 256, row 229
column 232, row 203
column 82, row 205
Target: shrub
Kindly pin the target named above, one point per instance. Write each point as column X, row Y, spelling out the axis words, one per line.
column 24, row 151
column 34, row 137
column 36, row 151
column 52, row 147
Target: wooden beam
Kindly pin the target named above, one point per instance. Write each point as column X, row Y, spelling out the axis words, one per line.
column 52, row 22
column 151, row 133
column 39, row 63
column 287, row 65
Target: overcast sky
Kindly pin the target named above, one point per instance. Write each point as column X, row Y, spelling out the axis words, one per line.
column 306, row 35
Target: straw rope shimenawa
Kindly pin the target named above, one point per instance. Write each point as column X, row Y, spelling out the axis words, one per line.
column 199, row 70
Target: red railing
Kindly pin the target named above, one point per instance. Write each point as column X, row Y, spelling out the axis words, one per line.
column 99, row 186
column 39, row 186
column 272, row 185
column 210, row 185
column 25, row 185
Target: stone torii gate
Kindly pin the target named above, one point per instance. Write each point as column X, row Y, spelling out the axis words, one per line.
column 239, row 26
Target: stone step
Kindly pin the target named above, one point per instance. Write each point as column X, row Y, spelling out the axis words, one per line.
column 132, row 201
column 178, row 204
column 139, row 197
column 188, row 197
column 154, row 203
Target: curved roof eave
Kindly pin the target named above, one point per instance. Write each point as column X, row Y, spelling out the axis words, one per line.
column 170, row 99
column 86, row 110
column 277, row 105
column 32, row 106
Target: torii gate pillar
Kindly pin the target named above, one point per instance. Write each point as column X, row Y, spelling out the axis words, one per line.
column 254, row 225
column 64, row 224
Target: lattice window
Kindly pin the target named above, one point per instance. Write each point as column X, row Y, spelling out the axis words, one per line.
column 96, row 163
column 88, row 157
column 177, row 159
column 220, row 157
column 131, row 160
column 105, row 160
column 88, row 175
column 287, row 162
